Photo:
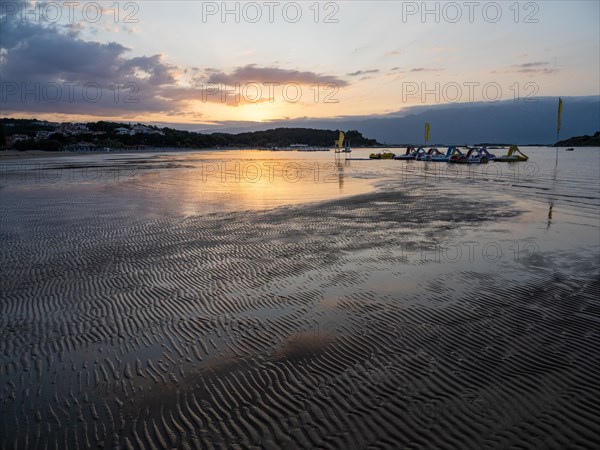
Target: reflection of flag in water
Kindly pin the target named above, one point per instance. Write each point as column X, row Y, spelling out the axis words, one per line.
column 340, row 142
column 427, row 127
column 559, row 114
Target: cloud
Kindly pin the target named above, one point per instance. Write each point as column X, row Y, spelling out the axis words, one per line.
column 530, row 64
column 360, row 49
column 215, row 95
column 363, row 72
column 49, row 68
column 530, row 67
column 544, row 71
column 159, row 72
column 254, row 74
column 425, row 69
column 74, row 29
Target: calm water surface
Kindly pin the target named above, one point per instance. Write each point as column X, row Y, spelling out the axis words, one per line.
column 557, row 193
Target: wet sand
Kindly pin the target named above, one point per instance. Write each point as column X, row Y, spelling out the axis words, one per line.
column 402, row 317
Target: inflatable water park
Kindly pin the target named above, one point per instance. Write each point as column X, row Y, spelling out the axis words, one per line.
column 453, row 154
column 468, row 155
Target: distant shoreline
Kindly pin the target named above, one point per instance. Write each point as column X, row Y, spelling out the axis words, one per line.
column 581, row 141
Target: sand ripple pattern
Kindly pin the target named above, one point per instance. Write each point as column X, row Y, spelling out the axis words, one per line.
column 303, row 327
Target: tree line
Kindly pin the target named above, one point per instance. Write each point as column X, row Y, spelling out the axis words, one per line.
column 170, row 137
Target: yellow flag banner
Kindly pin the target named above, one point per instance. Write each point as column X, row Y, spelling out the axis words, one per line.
column 560, row 106
column 427, row 128
column 339, row 143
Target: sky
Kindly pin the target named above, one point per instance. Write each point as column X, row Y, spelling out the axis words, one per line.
column 208, row 63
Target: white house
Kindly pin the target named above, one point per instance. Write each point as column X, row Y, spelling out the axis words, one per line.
column 123, row 131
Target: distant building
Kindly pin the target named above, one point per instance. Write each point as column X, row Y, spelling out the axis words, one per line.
column 73, row 129
column 40, row 135
column 143, row 129
column 123, row 131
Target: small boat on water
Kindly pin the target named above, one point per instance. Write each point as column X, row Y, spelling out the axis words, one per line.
column 475, row 155
column 437, row 156
column 513, row 155
column 457, row 156
column 570, row 149
column 426, row 156
column 411, row 153
column 385, row 155
column 479, row 155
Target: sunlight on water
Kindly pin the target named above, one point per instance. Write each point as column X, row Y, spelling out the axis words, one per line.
column 201, row 182
column 232, row 184
column 188, row 183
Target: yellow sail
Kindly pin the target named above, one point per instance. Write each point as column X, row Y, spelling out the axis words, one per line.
column 560, row 107
column 427, row 127
column 340, row 142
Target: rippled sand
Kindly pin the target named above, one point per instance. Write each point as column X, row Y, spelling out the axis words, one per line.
column 420, row 314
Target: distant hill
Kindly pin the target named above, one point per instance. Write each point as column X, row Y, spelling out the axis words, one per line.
column 34, row 134
column 462, row 123
column 504, row 122
column 581, row 141
column 283, row 137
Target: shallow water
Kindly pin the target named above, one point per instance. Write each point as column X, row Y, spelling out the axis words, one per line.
column 205, row 182
column 186, row 183
column 283, row 299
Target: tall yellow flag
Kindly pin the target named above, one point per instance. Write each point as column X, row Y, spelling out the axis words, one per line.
column 559, row 114
column 339, row 143
column 427, row 128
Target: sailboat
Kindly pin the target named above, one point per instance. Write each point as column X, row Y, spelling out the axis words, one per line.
column 339, row 144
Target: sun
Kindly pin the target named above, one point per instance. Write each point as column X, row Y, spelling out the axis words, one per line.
column 256, row 113
column 261, row 112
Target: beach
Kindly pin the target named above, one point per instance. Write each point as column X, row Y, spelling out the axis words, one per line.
column 246, row 299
